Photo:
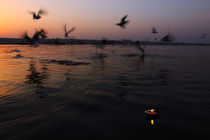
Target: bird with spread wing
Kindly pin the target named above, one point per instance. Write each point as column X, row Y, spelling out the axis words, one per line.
column 123, row 22
column 66, row 34
column 37, row 16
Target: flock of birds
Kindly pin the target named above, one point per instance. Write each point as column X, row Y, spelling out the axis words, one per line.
column 42, row 34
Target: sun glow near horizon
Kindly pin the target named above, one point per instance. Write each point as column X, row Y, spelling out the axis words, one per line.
column 96, row 19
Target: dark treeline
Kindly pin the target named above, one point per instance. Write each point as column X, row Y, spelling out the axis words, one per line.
column 58, row 41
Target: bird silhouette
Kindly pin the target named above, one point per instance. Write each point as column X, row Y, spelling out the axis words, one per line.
column 33, row 41
column 141, row 49
column 66, row 34
column 154, row 31
column 37, row 16
column 43, row 33
column 123, row 22
column 167, row 38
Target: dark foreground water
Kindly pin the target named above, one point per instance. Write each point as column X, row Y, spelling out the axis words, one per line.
column 79, row 92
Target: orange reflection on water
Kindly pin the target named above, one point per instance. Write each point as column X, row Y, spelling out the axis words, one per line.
column 10, row 78
column 12, row 72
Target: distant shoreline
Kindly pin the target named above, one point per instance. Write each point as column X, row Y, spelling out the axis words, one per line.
column 58, row 41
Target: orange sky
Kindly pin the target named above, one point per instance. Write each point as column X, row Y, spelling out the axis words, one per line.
column 96, row 19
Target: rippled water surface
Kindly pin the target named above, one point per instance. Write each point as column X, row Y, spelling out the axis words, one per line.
column 70, row 92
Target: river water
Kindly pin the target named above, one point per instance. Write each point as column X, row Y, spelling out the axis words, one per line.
column 78, row 91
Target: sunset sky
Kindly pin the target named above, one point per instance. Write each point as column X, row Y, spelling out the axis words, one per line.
column 185, row 19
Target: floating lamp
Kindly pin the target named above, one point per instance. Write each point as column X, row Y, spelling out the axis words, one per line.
column 151, row 112
column 152, row 115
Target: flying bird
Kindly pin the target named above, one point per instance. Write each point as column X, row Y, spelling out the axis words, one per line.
column 154, row 31
column 66, row 34
column 141, row 49
column 167, row 38
column 37, row 16
column 33, row 41
column 43, row 33
column 123, row 22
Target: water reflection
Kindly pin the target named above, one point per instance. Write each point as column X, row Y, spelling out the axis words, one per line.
column 122, row 84
column 101, row 61
column 152, row 118
column 100, row 58
column 35, row 78
column 163, row 75
column 140, row 61
column 68, row 79
column 113, row 87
